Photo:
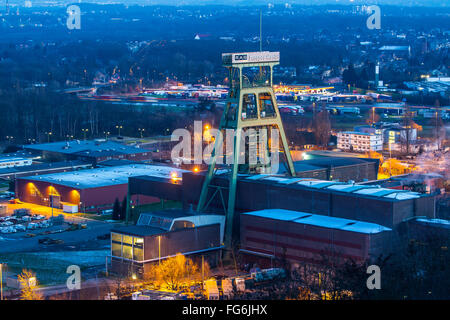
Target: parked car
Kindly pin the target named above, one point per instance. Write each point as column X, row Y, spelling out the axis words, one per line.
column 48, row 241
column 32, row 226
column 45, row 224
column 107, row 212
column 20, row 227
column 8, row 230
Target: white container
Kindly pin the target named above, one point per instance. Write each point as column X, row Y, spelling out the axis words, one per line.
column 70, row 208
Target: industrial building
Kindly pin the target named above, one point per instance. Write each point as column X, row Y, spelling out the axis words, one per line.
column 91, row 190
column 11, row 162
column 387, row 207
column 279, row 236
column 93, row 151
column 163, row 234
column 42, row 168
column 336, row 169
column 304, row 219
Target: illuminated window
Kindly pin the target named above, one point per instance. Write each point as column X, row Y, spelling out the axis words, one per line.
column 116, row 249
column 138, row 249
column 182, row 224
column 266, row 105
column 127, row 251
column 116, row 244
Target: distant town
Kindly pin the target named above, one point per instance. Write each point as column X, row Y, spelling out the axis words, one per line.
column 118, row 180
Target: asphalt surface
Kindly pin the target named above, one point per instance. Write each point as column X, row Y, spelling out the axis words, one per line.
column 18, row 242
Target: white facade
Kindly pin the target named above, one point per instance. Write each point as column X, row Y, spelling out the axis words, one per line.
column 359, row 141
column 14, row 162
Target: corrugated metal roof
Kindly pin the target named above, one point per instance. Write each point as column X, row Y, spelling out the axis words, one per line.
column 320, row 220
column 100, row 177
column 86, row 148
column 362, row 189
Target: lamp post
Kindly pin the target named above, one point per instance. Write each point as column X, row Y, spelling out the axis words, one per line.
column 106, row 133
column 118, row 128
column 373, row 115
column 84, row 132
column 48, row 135
column 141, row 132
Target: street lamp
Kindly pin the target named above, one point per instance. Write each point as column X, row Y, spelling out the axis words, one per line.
column 142, row 132
column 118, row 128
column 106, row 133
column 48, row 135
column 84, row 132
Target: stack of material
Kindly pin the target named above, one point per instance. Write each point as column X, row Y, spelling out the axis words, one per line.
column 212, row 292
column 227, row 288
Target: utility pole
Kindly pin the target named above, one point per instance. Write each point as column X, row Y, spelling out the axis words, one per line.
column 1, row 281
column 51, row 202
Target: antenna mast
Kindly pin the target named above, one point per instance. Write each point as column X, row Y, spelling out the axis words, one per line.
column 260, row 30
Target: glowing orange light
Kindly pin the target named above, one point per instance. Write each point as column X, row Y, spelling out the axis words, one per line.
column 195, row 169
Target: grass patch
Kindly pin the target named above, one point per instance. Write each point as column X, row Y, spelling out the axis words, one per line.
column 94, row 216
column 50, row 267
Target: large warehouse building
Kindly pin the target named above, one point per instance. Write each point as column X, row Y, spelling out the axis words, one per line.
column 92, row 190
column 387, row 207
column 93, row 151
column 275, row 235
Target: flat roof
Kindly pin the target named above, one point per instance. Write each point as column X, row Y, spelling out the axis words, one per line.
column 435, row 222
column 357, row 133
column 346, row 187
column 9, row 159
column 138, row 230
column 320, row 220
column 100, row 177
column 35, row 168
column 86, row 147
column 326, row 162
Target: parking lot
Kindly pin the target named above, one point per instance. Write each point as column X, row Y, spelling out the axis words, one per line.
column 23, row 232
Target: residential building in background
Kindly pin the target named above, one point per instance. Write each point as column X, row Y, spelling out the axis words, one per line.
column 359, row 141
